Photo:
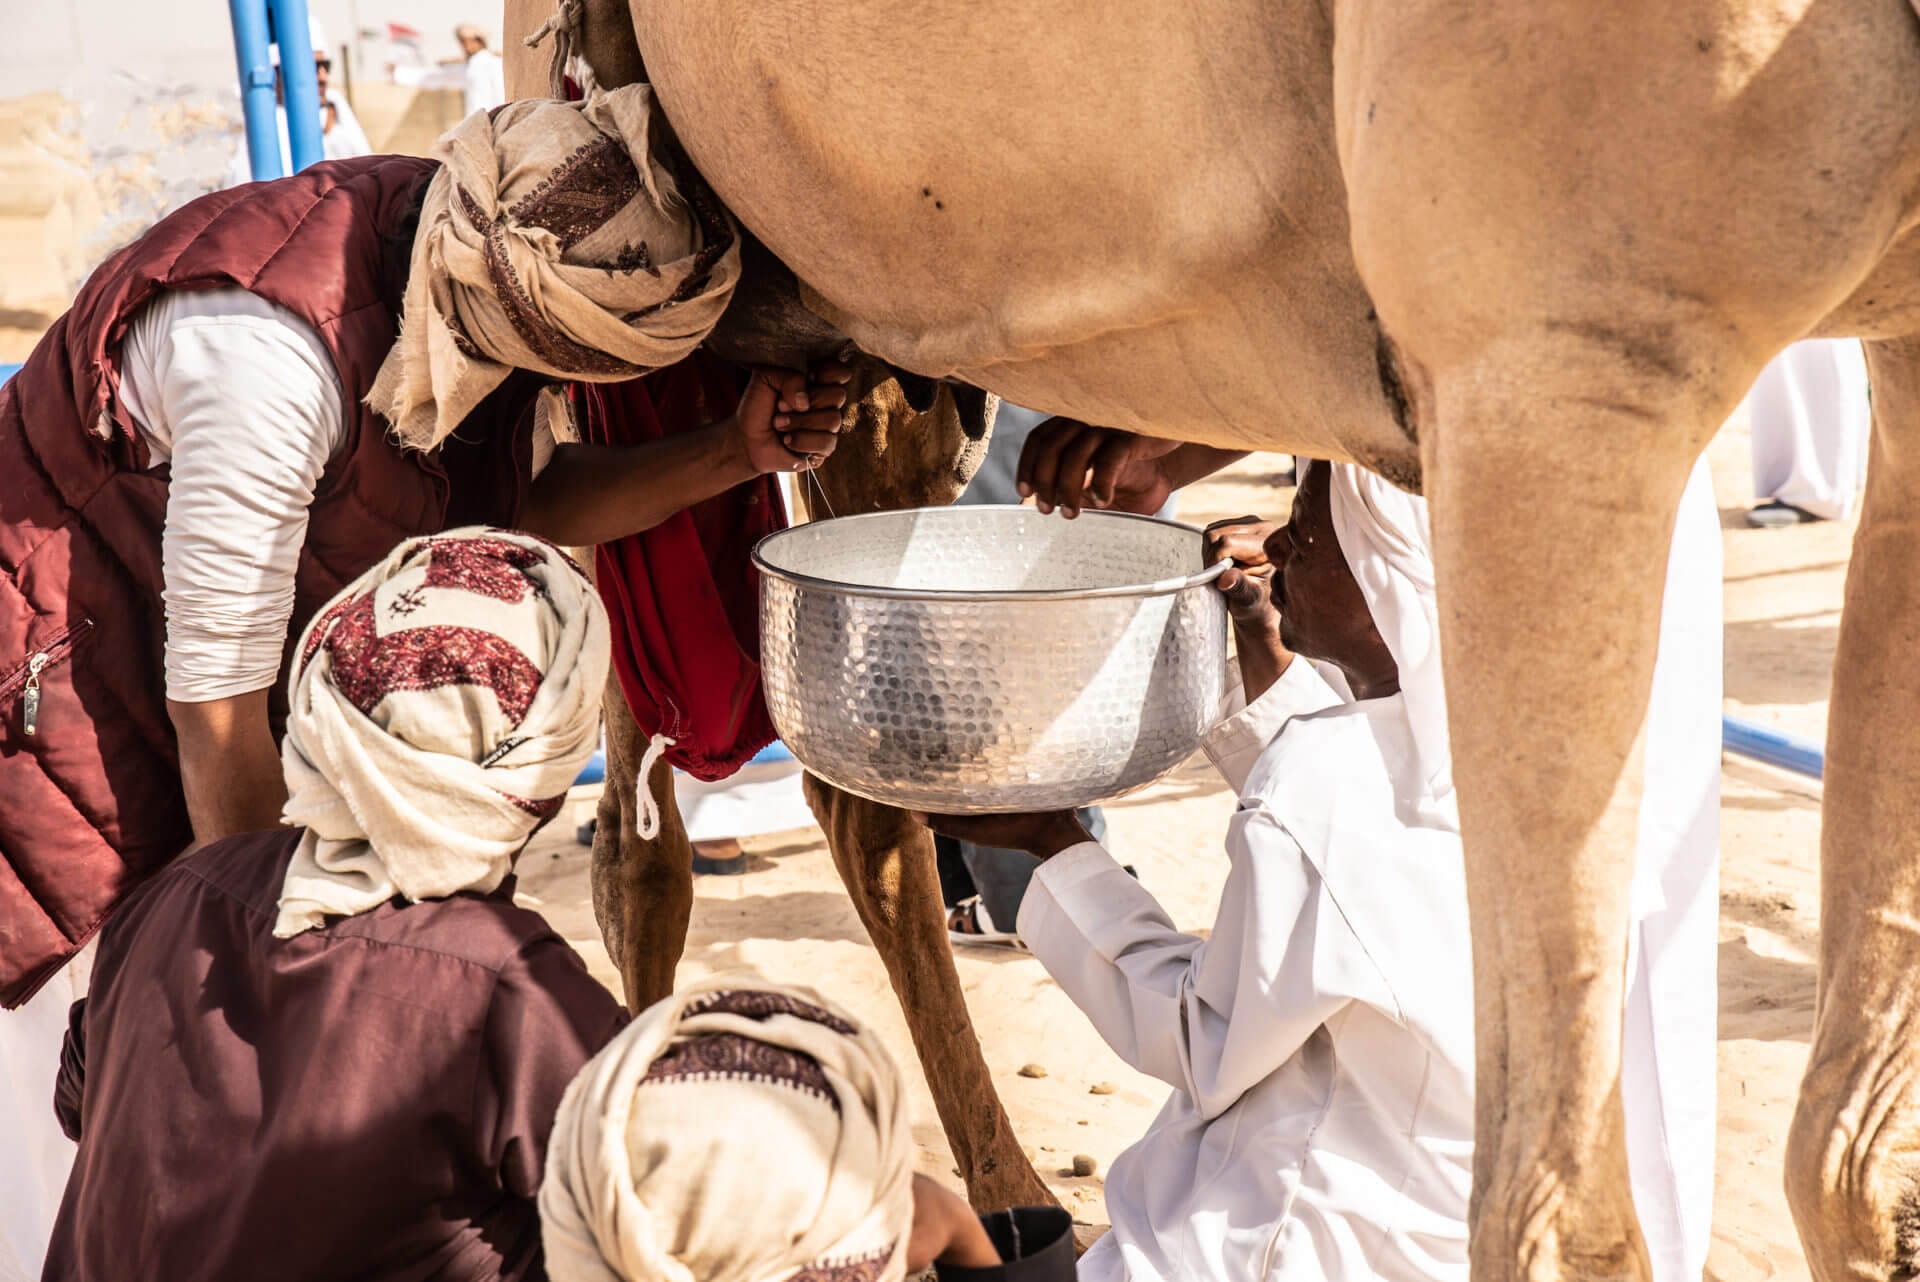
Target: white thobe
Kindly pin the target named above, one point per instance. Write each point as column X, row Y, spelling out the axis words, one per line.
column 1810, row 416
column 1319, row 1043
column 485, row 86
column 1668, row 1050
column 36, row 1154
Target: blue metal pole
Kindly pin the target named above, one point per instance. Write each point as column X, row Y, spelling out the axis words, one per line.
column 256, row 86
column 1745, row 739
column 297, row 81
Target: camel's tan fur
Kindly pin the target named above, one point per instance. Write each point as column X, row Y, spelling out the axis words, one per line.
column 1550, row 243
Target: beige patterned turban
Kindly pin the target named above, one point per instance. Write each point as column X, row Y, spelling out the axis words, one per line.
column 738, row 1131
column 553, row 239
column 442, row 705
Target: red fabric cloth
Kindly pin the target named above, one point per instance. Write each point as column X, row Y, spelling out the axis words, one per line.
column 683, row 597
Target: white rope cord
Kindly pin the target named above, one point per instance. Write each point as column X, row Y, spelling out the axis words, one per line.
column 646, row 808
column 564, row 27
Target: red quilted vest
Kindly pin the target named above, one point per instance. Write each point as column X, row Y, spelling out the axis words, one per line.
column 90, row 803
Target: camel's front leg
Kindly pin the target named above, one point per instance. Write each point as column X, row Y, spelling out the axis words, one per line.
column 1549, row 634
column 887, row 862
column 1853, row 1158
column 1568, row 333
column 642, row 890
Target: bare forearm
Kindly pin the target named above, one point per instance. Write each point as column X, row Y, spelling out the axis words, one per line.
column 229, row 766
column 1263, row 659
column 593, row 494
column 1192, row 463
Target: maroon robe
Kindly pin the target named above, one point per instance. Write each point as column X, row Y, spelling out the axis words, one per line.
column 369, row 1100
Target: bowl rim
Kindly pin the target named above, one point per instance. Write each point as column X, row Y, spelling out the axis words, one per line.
column 1160, row 587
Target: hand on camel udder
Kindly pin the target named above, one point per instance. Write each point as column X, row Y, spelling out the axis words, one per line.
column 1072, row 466
column 790, row 422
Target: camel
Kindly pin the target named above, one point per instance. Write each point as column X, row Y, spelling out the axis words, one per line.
column 1494, row 251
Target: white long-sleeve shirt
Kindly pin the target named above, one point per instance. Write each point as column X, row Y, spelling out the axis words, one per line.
column 1319, row 1043
column 240, row 396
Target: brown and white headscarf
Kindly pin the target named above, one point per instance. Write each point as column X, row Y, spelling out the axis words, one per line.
column 441, row 706
column 738, row 1131
column 554, row 238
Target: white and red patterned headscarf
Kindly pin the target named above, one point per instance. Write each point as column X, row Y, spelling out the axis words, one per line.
column 441, row 706
column 738, row 1131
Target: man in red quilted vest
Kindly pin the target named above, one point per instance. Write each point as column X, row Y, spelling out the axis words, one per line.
column 261, row 396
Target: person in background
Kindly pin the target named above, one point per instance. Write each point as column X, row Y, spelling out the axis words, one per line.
column 340, row 134
column 1339, row 966
column 741, row 1131
column 485, row 86
column 335, row 1049
column 1810, row 415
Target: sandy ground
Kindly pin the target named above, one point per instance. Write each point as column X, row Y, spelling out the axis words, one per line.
column 789, row 917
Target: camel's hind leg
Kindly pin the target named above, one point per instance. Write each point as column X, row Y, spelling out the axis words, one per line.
column 1853, row 1159
column 887, row 863
column 891, row 457
column 642, row 890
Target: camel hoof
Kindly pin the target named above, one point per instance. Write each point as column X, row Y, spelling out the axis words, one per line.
column 1546, row 1229
column 1855, row 1195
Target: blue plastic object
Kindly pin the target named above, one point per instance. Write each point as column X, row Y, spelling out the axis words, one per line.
column 250, row 39
column 595, row 771
column 1785, row 751
column 8, row 371
column 301, row 86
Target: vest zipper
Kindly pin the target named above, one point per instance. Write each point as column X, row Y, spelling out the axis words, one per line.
column 27, row 679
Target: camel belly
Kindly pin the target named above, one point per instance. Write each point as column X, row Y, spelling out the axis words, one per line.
column 1138, row 222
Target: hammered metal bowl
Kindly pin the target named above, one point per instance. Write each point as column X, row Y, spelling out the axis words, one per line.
column 979, row 660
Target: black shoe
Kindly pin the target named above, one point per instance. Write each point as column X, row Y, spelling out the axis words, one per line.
column 731, row 866
column 1775, row 515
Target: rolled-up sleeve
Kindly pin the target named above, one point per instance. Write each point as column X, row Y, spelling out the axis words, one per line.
column 240, row 396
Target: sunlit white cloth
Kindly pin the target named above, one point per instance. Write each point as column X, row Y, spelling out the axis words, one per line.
column 484, row 86
column 1669, row 1062
column 1198, row 1196
column 763, row 796
column 1669, row 1051
column 1319, row 1041
column 1810, row 416
column 37, row 1156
